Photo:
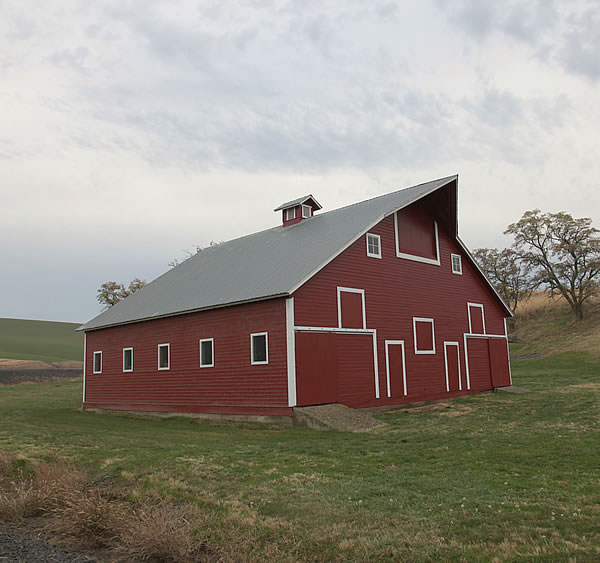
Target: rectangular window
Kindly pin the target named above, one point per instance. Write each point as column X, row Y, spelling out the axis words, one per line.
column 373, row 245
column 259, row 348
column 127, row 359
column 164, row 356
column 306, row 211
column 97, row 362
column 417, row 235
column 207, row 359
column 351, row 308
column 424, row 335
column 290, row 213
column 456, row 264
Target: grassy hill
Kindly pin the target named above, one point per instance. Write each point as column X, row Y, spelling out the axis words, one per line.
column 547, row 326
column 47, row 341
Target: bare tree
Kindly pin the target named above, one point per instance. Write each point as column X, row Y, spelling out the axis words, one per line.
column 508, row 272
column 190, row 253
column 111, row 292
column 563, row 252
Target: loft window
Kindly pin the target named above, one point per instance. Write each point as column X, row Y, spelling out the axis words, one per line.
column 306, row 211
column 456, row 264
column 164, row 356
column 259, row 348
column 127, row 359
column 97, row 362
column 207, row 358
column 424, row 335
column 373, row 245
column 290, row 213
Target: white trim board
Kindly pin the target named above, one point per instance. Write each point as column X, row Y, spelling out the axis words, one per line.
column 291, row 351
column 341, row 290
column 371, row 331
column 84, row 362
column 446, row 344
column 479, row 306
column 435, row 261
column 423, row 320
column 389, row 343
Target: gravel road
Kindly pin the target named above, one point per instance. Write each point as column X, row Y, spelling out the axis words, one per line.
column 18, row 547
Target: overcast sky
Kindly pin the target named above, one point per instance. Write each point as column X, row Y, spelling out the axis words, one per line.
column 133, row 130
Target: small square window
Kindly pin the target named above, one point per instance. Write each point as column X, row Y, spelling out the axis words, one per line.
column 207, row 359
column 127, row 359
column 259, row 348
column 97, row 362
column 373, row 245
column 456, row 264
column 306, row 211
column 290, row 213
column 164, row 356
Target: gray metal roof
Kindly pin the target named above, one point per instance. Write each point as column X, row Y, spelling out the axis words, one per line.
column 298, row 201
column 261, row 265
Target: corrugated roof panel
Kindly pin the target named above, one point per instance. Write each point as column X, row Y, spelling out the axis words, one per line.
column 260, row 265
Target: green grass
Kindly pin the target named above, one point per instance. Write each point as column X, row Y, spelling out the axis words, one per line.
column 47, row 341
column 495, row 475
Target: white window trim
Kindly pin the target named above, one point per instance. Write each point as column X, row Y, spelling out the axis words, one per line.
column 435, row 261
column 378, row 237
column 339, row 304
column 446, row 344
column 423, row 320
column 212, row 346
column 306, row 211
column 99, row 352
column 125, row 350
column 290, row 211
column 168, row 345
column 389, row 343
column 452, row 257
column 252, row 361
column 480, row 306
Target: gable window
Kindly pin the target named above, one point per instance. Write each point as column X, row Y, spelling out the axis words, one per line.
column 259, row 348
column 127, row 359
column 456, row 264
column 164, row 356
column 97, row 362
column 306, row 211
column 351, row 308
column 417, row 235
column 424, row 335
column 290, row 213
column 373, row 245
column 207, row 358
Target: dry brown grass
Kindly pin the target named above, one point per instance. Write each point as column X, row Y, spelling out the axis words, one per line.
column 8, row 463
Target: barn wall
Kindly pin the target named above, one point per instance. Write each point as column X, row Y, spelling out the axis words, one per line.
column 396, row 290
column 232, row 386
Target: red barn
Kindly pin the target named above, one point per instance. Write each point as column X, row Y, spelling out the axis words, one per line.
column 373, row 304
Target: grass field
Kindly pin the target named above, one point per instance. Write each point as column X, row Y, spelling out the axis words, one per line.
column 47, row 341
column 496, row 476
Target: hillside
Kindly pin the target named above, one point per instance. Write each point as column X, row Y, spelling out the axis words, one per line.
column 547, row 326
column 47, row 341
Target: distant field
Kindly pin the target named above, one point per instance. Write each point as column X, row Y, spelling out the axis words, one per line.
column 40, row 340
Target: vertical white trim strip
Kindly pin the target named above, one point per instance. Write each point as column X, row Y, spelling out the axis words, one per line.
column 375, row 364
column 446, row 344
column 467, row 362
column 291, row 351
column 84, row 362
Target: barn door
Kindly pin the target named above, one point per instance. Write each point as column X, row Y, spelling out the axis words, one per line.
column 315, row 368
column 480, row 374
column 395, row 368
column 499, row 362
column 452, row 361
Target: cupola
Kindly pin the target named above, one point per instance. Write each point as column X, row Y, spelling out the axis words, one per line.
column 298, row 209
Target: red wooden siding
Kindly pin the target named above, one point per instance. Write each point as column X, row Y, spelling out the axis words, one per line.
column 352, row 309
column 396, row 290
column 316, row 368
column 416, row 234
column 424, row 335
column 499, row 362
column 452, row 364
column 480, row 373
column 395, row 363
column 232, row 386
column 355, row 376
